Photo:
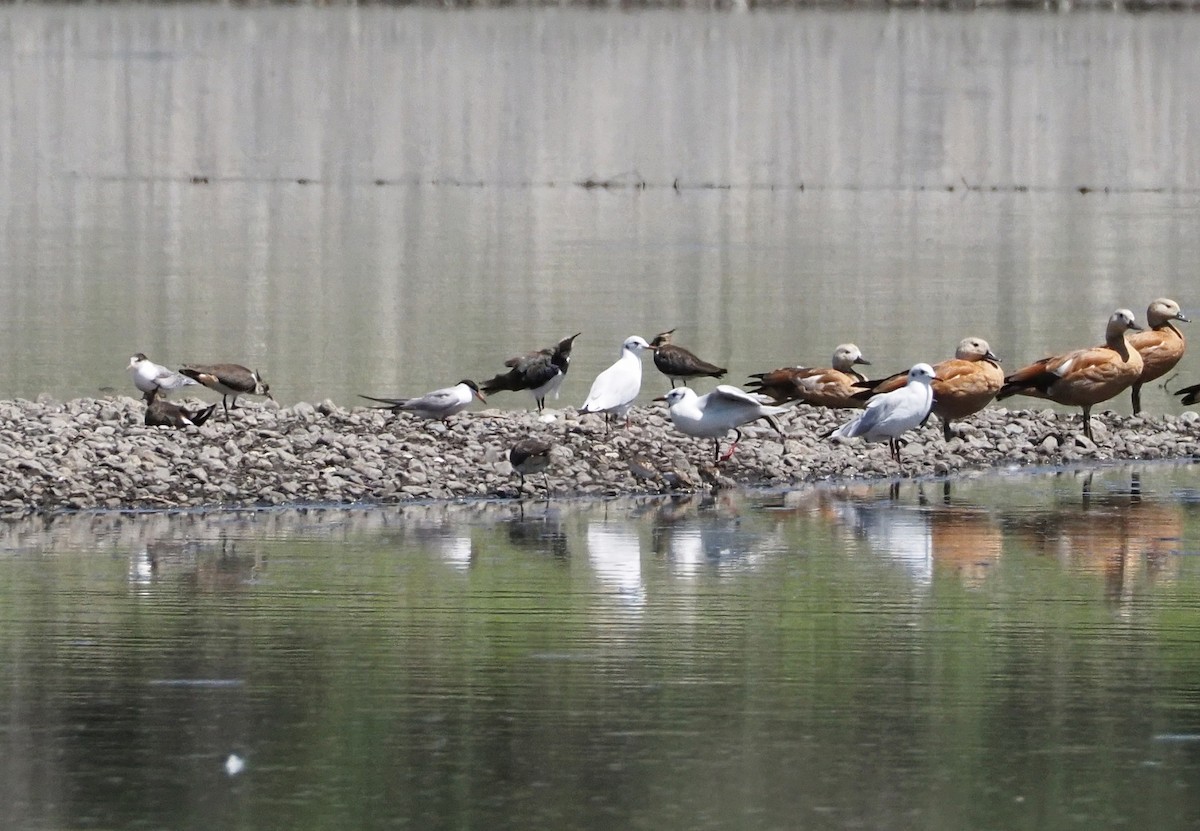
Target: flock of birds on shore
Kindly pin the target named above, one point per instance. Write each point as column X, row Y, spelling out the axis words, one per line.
column 1129, row 358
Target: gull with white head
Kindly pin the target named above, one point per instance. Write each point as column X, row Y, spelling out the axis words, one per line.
column 615, row 388
column 891, row 414
column 716, row 413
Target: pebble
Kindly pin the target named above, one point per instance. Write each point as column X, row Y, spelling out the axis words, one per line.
column 95, row 454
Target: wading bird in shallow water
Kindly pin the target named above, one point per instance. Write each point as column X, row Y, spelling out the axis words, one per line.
column 716, row 413
column 891, row 414
column 965, row 384
column 540, row 372
column 529, row 456
column 1161, row 346
column 162, row 413
column 675, row 362
column 615, row 388
column 436, row 405
column 231, row 380
column 1084, row 377
column 831, row 387
column 152, row 378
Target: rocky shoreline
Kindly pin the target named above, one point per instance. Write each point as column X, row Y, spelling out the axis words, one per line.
column 90, row 454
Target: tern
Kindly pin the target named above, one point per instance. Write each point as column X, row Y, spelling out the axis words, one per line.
column 1084, row 377
column 716, row 413
column 540, row 372
column 152, row 378
column 615, row 388
column 439, row 404
column 231, row 380
column 675, row 362
column 891, row 414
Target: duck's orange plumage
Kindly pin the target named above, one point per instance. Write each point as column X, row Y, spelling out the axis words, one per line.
column 965, row 383
column 831, row 387
column 1085, row 377
column 1161, row 345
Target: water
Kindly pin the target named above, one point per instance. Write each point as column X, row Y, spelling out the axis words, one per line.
column 1010, row 651
column 388, row 200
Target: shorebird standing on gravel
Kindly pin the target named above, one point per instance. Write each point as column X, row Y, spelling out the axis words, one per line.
column 615, row 388
column 676, row 362
column 891, row 414
column 540, row 372
column 152, row 378
column 716, row 413
column 531, row 455
column 436, row 405
column 231, row 380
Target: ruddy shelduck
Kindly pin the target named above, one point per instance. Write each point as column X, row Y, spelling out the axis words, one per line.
column 965, row 383
column 831, row 387
column 1085, row 377
column 1161, row 345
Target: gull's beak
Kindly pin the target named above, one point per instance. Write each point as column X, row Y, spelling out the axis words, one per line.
column 480, row 396
column 660, row 398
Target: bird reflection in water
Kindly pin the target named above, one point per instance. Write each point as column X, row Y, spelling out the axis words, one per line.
column 926, row 538
column 708, row 531
column 540, row 528
column 615, row 555
column 1119, row 533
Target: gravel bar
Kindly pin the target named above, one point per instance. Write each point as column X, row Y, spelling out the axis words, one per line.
column 96, row 454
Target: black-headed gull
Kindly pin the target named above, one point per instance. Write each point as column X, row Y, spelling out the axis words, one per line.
column 439, row 404
column 716, row 413
column 151, row 378
column 675, row 362
column 615, row 388
column 1161, row 346
column 891, row 414
column 831, row 387
column 1084, row 377
column 231, row 380
column 540, row 372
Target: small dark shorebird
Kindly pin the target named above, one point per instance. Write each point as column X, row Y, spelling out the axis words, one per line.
column 231, row 380
column 436, row 405
column 541, row 372
column 675, row 362
column 162, row 413
column 528, row 456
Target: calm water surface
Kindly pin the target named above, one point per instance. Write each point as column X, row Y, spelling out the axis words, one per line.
column 387, row 200
column 391, row 199
column 1014, row 651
